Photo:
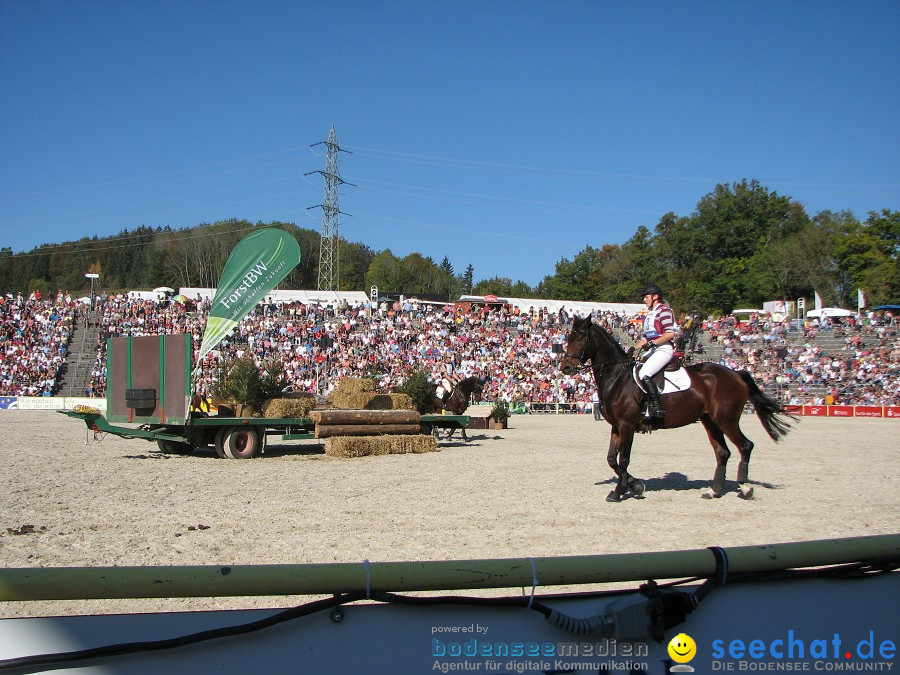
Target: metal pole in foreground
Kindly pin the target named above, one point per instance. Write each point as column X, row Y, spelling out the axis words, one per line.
column 83, row 583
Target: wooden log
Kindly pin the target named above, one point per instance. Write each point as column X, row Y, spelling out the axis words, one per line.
column 325, row 431
column 329, row 417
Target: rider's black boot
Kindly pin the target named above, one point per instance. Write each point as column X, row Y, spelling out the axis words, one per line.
column 655, row 408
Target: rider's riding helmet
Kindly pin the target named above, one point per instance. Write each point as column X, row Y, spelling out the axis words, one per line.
column 652, row 289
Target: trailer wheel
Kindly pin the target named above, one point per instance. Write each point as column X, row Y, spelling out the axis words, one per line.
column 219, row 443
column 174, row 447
column 242, row 443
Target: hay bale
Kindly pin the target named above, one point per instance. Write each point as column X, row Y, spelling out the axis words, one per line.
column 355, row 385
column 369, row 401
column 325, row 431
column 294, row 406
column 364, row 446
column 341, row 416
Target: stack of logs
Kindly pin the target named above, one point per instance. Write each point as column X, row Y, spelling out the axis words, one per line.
column 365, row 422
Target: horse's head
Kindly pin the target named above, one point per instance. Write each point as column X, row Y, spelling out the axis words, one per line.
column 579, row 346
column 477, row 390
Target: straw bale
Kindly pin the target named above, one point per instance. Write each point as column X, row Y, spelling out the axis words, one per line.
column 295, row 406
column 341, row 416
column 324, row 430
column 363, row 446
column 355, row 385
column 369, row 401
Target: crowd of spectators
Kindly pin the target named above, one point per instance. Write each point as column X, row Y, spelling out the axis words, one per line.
column 516, row 352
column 34, row 340
column 816, row 362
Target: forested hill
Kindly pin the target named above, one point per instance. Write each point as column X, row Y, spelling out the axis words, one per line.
column 743, row 245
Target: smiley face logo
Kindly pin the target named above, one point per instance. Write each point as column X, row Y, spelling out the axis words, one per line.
column 682, row 648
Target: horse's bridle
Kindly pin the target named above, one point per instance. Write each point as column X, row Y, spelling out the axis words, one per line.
column 598, row 368
column 581, row 357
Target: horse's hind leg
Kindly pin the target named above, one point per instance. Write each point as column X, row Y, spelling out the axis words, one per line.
column 717, row 440
column 746, row 447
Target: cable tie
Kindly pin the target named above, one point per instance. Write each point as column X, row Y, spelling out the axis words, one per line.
column 534, row 581
column 368, row 579
column 721, row 564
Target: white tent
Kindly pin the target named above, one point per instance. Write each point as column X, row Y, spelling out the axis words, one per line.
column 829, row 311
column 163, row 289
column 280, row 297
column 580, row 308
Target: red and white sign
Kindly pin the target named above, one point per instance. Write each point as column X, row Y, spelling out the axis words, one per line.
column 815, row 410
column 490, row 298
column 868, row 411
column 840, row 411
column 892, row 411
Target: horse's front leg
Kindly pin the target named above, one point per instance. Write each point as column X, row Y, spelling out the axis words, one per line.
column 618, row 457
column 612, row 458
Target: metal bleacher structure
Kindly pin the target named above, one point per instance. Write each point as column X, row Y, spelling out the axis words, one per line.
column 81, row 356
column 831, row 342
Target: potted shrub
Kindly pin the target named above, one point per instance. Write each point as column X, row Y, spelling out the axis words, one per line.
column 242, row 387
column 500, row 414
column 421, row 390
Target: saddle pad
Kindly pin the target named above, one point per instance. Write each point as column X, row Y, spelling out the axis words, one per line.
column 678, row 380
column 675, row 381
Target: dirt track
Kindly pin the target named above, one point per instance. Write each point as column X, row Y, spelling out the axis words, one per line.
column 536, row 489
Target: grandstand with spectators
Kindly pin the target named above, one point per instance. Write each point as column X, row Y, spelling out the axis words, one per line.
column 57, row 346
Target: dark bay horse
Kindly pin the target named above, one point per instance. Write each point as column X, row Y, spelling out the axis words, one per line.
column 716, row 398
column 465, row 390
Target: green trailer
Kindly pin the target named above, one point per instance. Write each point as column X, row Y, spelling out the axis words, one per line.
column 232, row 437
column 149, row 387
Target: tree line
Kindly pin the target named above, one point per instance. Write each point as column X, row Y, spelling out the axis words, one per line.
column 743, row 245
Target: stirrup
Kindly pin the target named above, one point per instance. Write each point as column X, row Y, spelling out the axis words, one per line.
column 654, row 412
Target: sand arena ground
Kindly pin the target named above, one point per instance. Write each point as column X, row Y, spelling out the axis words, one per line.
column 536, row 489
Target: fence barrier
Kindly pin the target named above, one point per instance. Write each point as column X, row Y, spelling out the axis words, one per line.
column 531, row 407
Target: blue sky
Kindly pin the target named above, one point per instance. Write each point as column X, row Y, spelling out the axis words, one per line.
column 503, row 134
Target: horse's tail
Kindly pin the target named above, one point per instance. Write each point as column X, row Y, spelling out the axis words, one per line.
column 770, row 412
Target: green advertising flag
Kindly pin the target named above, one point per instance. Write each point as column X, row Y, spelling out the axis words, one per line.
column 256, row 265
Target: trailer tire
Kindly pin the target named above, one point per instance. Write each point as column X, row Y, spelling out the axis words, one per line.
column 219, row 443
column 242, row 443
column 174, row 447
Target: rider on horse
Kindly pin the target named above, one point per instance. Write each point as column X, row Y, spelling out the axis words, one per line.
column 660, row 329
column 447, row 381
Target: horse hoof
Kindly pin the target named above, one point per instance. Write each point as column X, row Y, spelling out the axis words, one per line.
column 613, row 497
column 709, row 493
column 637, row 488
column 746, row 491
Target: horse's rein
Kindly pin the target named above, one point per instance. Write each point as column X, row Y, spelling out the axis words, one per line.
column 599, row 366
column 580, row 358
column 598, row 369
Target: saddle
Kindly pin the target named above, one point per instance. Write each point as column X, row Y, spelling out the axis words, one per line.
column 671, row 379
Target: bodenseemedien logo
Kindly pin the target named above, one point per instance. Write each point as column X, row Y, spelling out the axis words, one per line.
column 682, row 649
